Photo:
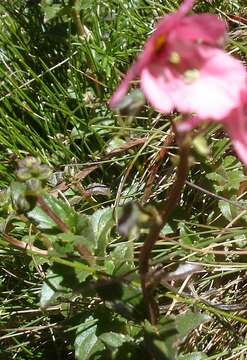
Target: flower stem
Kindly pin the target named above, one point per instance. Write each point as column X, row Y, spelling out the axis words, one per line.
column 166, row 209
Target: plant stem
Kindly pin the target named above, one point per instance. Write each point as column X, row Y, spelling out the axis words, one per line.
column 24, row 246
column 166, row 209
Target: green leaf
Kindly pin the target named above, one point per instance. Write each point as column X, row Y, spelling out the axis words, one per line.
column 230, row 161
column 170, row 332
column 86, row 341
column 187, row 322
column 201, row 146
column 226, row 210
column 161, row 341
column 84, row 231
column 79, row 224
column 60, row 247
column 227, row 176
column 114, row 340
column 121, row 259
column 187, row 237
column 62, row 210
column 102, row 223
column 50, row 10
column 51, row 289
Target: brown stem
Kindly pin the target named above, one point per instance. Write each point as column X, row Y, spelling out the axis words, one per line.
column 166, row 209
column 154, row 168
column 24, row 246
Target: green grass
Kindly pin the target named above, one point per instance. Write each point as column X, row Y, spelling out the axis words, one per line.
column 54, row 97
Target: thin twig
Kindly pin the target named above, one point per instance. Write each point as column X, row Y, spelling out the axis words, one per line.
column 168, row 206
column 154, row 168
column 24, row 246
column 218, row 197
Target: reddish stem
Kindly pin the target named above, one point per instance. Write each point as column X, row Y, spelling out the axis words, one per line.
column 166, row 209
column 24, row 246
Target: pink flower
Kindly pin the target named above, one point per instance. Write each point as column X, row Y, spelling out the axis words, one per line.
column 170, row 55
column 209, row 86
column 183, row 68
column 234, row 123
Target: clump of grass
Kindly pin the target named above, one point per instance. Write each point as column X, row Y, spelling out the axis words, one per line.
column 53, row 105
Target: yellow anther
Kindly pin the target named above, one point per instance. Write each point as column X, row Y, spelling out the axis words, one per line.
column 159, row 42
column 191, row 76
column 174, row 58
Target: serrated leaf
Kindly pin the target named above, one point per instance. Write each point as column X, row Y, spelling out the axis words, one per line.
column 234, row 179
column 86, row 341
column 230, row 161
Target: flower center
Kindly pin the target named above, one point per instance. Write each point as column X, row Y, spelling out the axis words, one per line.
column 174, row 58
column 159, row 42
column 191, row 75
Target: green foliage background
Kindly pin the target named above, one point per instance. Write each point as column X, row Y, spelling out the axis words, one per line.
column 55, row 88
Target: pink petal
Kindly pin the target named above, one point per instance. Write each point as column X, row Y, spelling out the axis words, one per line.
column 185, row 7
column 168, row 23
column 202, row 28
column 240, row 146
column 206, row 97
column 152, row 84
column 236, row 128
column 218, row 89
column 124, row 85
